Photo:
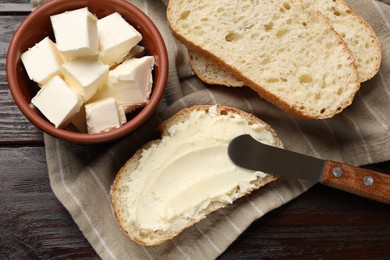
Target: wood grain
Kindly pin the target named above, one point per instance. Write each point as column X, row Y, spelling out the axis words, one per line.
column 352, row 179
column 313, row 227
column 15, row 6
column 14, row 127
column 33, row 224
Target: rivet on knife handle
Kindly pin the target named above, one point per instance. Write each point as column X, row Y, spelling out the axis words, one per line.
column 359, row 181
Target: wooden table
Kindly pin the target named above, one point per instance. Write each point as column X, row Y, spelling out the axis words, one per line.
column 321, row 223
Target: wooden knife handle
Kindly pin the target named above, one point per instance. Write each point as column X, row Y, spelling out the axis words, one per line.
column 359, row 181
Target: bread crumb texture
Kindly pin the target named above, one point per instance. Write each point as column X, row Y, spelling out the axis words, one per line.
column 357, row 34
column 291, row 57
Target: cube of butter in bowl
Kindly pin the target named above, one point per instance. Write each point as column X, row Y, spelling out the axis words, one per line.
column 70, row 60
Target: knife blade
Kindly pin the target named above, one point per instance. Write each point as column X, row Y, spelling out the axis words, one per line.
column 247, row 152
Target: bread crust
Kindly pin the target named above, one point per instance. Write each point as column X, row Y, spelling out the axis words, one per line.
column 373, row 38
column 263, row 91
column 132, row 163
column 198, row 62
column 224, row 77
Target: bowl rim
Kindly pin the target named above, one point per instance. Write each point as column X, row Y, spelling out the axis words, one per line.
column 85, row 138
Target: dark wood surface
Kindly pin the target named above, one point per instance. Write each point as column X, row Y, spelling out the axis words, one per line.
column 323, row 223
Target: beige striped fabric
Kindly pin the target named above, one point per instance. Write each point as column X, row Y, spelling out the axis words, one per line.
column 81, row 176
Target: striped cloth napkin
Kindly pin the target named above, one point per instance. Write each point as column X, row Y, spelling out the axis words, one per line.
column 81, row 176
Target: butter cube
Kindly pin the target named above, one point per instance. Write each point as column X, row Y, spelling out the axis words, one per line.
column 76, row 32
column 57, row 102
column 104, row 115
column 104, row 92
column 116, row 38
column 42, row 61
column 85, row 76
column 131, row 82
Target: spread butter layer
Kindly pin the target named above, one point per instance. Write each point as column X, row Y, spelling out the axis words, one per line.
column 189, row 168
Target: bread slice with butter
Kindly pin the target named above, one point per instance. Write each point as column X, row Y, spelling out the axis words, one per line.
column 292, row 58
column 173, row 182
column 357, row 34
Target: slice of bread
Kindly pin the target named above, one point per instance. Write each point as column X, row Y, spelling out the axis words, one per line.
column 292, row 58
column 357, row 34
column 173, row 182
column 212, row 73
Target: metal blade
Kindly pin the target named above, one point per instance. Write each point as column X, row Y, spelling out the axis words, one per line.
column 247, row 152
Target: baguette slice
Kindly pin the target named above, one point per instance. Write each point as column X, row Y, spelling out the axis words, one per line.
column 292, row 58
column 357, row 34
column 173, row 182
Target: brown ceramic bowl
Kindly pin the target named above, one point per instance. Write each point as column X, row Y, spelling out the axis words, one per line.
column 37, row 25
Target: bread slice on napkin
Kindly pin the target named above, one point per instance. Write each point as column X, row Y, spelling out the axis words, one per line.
column 210, row 72
column 292, row 58
column 173, row 182
column 357, row 34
